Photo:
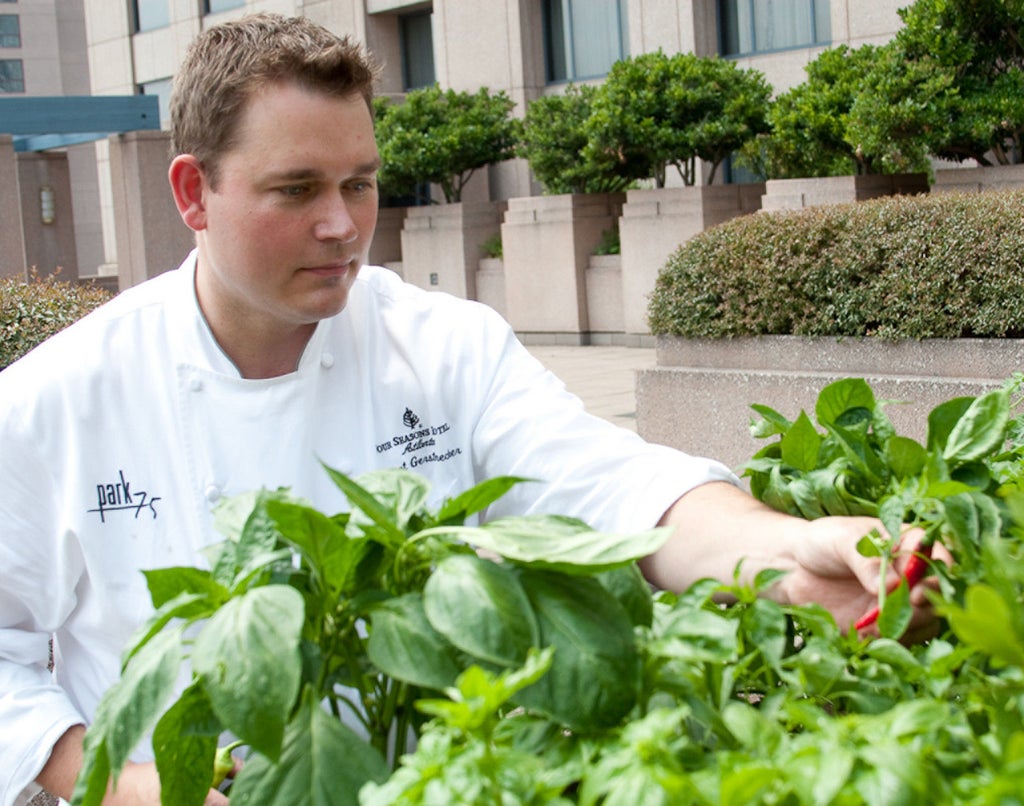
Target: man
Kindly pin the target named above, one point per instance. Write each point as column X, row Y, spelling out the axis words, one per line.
column 271, row 348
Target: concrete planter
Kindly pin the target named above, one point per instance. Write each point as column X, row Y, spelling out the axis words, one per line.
column 547, row 242
column 442, row 244
column 978, row 180
column 604, row 298
column 698, row 397
column 386, row 248
column 795, row 194
column 656, row 222
column 490, row 283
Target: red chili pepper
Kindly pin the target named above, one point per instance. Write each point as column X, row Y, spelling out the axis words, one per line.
column 917, row 567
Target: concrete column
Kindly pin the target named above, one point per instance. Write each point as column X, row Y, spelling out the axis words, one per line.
column 12, row 239
column 151, row 237
column 47, row 215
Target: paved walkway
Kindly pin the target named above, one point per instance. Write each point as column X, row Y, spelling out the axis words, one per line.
column 604, row 377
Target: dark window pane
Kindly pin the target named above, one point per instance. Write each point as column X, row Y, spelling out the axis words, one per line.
column 755, row 26
column 10, row 31
column 417, row 50
column 213, row 6
column 582, row 38
column 12, row 76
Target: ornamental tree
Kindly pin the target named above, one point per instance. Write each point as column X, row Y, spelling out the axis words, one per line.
column 975, row 47
column 555, row 145
column 443, row 137
column 655, row 111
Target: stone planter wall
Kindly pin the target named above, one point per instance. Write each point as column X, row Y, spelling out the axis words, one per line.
column 604, row 298
column 795, row 194
column 490, row 283
column 976, row 180
column 698, row 397
column 386, row 248
column 655, row 222
column 442, row 244
column 547, row 242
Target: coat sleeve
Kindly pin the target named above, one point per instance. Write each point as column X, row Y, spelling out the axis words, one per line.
column 37, row 591
column 529, row 425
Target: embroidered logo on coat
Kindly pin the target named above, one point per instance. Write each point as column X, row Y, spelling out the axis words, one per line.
column 419, row 438
column 119, row 497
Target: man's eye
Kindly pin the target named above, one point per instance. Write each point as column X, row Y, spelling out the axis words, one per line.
column 294, row 191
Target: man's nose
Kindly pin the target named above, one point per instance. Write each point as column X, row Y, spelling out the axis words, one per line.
column 335, row 221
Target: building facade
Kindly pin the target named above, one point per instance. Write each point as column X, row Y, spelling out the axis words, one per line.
column 527, row 48
column 43, row 52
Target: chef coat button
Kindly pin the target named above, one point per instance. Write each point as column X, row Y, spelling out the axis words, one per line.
column 212, row 493
column 196, row 384
column 327, row 360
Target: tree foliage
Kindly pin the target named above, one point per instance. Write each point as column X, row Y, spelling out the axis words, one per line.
column 555, row 145
column 443, row 137
column 975, row 47
column 656, row 111
column 950, row 85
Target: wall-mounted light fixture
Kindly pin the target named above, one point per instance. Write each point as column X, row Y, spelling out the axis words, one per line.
column 47, row 205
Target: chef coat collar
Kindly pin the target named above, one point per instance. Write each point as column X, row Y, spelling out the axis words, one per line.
column 196, row 343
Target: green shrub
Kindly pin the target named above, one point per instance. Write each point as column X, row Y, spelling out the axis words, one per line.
column 917, row 267
column 31, row 312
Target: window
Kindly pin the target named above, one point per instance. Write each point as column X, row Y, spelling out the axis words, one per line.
column 162, row 90
column 150, row 14
column 582, row 38
column 757, row 26
column 213, row 6
column 12, row 76
column 417, row 42
column 10, row 31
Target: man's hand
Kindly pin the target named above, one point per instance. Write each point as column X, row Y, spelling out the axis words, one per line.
column 717, row 525
column 137, row 785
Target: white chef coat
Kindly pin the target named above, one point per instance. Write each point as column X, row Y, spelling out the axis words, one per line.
column 119, row 434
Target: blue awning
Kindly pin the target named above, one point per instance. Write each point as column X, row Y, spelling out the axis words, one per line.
column 41, row 123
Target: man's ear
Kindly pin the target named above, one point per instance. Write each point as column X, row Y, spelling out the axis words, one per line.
column 189, row 184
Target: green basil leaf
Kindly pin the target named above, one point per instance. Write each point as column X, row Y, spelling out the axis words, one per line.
column 594, row 679
column 322, row 763
column 800, row 444
column 942, row 419
column 184, row 744
column 986, row 622
column 895, row 615
column 404, row 644
column 906, row 457
column 980, row 430
column 247, row 657
column 556, row 542
column 841, row 396
column 475, row 499
column 498, row 627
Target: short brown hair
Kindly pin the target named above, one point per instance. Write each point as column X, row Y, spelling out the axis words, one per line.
column 227, row 63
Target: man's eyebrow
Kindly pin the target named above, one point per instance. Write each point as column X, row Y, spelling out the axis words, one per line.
column 300, row 174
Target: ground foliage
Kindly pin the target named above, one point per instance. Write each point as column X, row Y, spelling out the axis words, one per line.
column 568, row 680
column 32, row 311
column 942, row 266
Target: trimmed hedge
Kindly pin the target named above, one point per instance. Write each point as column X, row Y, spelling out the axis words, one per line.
column 31, row 312
column 901, row 267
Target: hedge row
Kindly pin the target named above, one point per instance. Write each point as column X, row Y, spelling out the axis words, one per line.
column 33, row 311
column 943, row 266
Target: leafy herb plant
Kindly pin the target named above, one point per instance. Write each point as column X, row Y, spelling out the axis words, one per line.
column 311, row 636
column 549, row 673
